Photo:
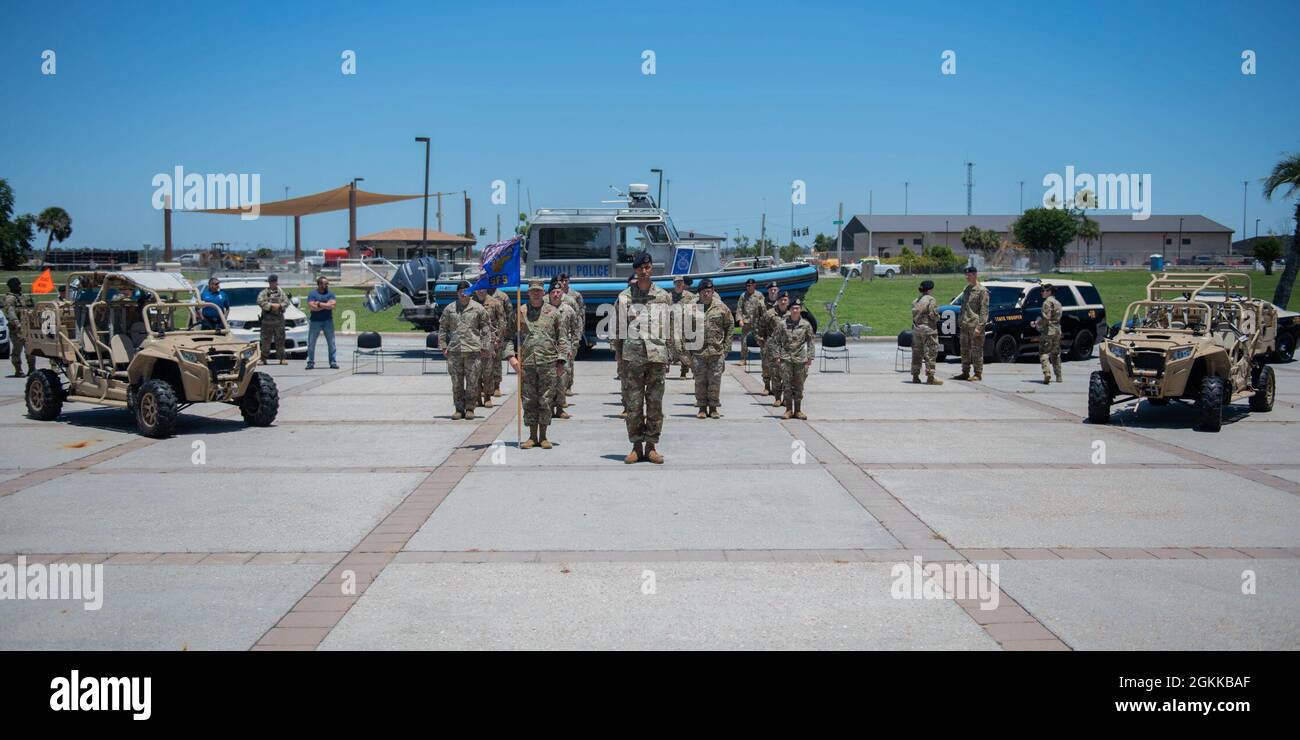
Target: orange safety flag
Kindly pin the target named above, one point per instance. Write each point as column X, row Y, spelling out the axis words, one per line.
column 44, row 283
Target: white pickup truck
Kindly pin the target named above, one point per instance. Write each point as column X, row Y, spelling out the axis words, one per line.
column 879, row 270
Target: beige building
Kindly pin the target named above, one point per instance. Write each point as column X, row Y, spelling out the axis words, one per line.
column 1123, row 241
column 403, row 244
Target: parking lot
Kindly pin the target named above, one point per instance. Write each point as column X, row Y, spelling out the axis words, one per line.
column 366, row 518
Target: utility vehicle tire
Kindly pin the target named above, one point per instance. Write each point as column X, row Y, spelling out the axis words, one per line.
column 261, row 402
column 1158, row 401
column 1100, row 398
column 1285, row 351
column 1083, row 344
column 1209, row 404
column 155, row 409
column 1265, row 389
column 44, row 395
column 1006, row 349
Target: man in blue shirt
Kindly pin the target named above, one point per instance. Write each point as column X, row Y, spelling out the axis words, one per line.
column 210, row 318
column 321, row 303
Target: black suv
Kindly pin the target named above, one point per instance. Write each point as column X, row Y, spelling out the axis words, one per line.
column 1014, row 306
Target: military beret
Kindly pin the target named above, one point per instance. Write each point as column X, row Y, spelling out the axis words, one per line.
column 773, row 286
column 970, row 268
column 751, row 281
column 783, row 294
column 642, row 258
column 562, row 276
column 536, row 284
column 927, row 285
column 679, row 279
column 706, row 283
column 273, row 278
column 462, row 285
column 1049, row 286
column 796, row 303
column 14, row 283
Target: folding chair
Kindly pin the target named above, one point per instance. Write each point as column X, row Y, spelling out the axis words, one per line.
column 903, row 357
column 369, row 344
column 430, row 353
column 834, row 347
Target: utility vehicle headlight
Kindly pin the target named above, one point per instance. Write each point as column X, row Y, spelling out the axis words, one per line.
column 193, row 357
column 1118, row 351
column 247, row 354
column 1182, row 353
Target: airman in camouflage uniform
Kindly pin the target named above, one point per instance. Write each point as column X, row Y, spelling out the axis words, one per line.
column 925, row 334
column 569, row 327
column 761, row 329
column 716, row 326
column 616, row 343
column 645, row 359
column 971, row 322
column 794, row 341
column 771, row 322
column 580, row 309
column 464, row 332
column 273, row 301
column 504, row 337
column 496, row 313
column 749, row 308
column 1049, row 334
column 677, row 354
column 14, row 304
column 542, row 348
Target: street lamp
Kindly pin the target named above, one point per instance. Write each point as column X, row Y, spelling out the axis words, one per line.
column 424, row 233
column 1256, row 228
column 659, row 199
column 1180, row 239
column 945, row 233
column 352, row 218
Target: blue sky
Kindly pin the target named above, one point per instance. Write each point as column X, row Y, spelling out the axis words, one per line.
column 747, row 97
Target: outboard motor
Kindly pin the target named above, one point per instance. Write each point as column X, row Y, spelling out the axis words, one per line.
column 411, row 279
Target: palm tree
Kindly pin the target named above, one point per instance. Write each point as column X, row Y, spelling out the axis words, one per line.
column 1286, row 173
column 58, row 224
column 1089, row 232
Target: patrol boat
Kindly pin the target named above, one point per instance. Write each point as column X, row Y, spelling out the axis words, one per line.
column 595, row 247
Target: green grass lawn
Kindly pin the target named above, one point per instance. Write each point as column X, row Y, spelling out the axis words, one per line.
column 885, row 304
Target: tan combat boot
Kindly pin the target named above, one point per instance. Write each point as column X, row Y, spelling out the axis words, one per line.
column 916, row 377
column 1047, row 379
column 487, row 402
column 977, row 377
column 965, row 374
column 776, row 399
column 560, row 413
column 789, row 412
column 702, row 414
column 713, row 413
column 652, row 455
column 634, row 455
column 931, row 380
column 542, row 440
column 457, row 416
column 469, row 413
column 531, row 442
column 798, row 410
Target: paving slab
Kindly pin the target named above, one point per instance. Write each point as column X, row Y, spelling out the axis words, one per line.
column 1097, row 507
column 912, row 407
column 644, row 509
column 304, row 446
column 981, row 442
column 695, row 606
column 1160, row 605
column 194, row 512
column 1241, row 443
column 48, row 443
column 163, row 607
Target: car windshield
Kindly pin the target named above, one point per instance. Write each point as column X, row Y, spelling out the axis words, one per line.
column 999, row 296
column 242, row 296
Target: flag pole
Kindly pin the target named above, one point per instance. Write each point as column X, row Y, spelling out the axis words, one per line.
column 519, row 374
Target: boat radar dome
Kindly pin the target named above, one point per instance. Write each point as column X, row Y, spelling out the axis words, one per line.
column 639, row 195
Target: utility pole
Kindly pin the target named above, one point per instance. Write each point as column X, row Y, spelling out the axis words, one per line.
column 1022, row 196
column 1244, row 184
column 668, row 194
column 905, row 184
column 762, row 236
column 498, row 227
column 439, row 211
column 839, row 236
column 286, row 222
column 970, row 184
column 871, row 228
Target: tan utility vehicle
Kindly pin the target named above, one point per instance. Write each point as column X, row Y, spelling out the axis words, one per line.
column 140, row 341
column 1199, row 339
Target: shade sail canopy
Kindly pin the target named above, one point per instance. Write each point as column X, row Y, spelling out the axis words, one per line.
column 323, row 202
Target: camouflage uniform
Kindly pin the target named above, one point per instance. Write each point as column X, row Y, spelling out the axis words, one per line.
column 272, row 321
column 505, row 337
column 496, row 317
column 574, row 300
column 542, row 342
column 716, row 326
column 794, row 346
column 1049, row 338
column 750, row 309
column 569, row 328
column 463, row 333
column 14, row 305
column 677, row 354
column 925, row 334
column 645, row 360
column 771, row 320
column 970, row 327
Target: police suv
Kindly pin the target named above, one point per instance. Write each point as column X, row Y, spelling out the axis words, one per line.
column 1014, row 306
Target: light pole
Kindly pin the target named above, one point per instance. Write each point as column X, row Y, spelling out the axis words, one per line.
column 1022, row 196
column 1180, row 239
column 659, row 199
column 352, row 218
column 905, row 184
column 1256, row 228
column 424, row 233
column 945, row 233
column 286, row 221
column 1244, row 187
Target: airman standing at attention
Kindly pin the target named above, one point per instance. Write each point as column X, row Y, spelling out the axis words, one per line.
column 680, row 296
column 542, row 349
column 15, row 303
column 712, row 353
column 1049, row 333
column 496, row 317
column 971, row 322
column 925, row 334
column 762, row 328
column 463, row 332
column 645, row 360
column 273, row 301
column 772, row 357
column 749, row 308
column 568, row 319
column 504, row 337
column 580, row 309
column 616, row 341
column 794, row 339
